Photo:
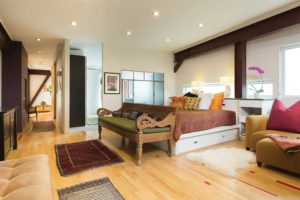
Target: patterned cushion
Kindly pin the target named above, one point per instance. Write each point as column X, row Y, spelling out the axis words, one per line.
column 133, row 115
column 116, row 113
column 191, row 103
column 126, row 114
column 178, row 102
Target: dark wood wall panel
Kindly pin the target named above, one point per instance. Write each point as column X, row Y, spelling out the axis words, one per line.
column 4, row 39
column 77, row 91
column 14, row 81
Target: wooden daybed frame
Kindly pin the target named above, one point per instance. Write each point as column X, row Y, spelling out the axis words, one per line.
column 142, row 123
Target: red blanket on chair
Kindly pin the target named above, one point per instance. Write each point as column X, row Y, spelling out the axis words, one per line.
column 287, row 144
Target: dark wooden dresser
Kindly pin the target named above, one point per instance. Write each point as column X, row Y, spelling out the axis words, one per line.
column 8, row 132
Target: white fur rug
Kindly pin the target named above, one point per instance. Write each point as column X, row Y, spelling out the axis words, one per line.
column 224, row 160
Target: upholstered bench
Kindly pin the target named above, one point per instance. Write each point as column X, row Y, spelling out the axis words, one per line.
column 269, row 153
column 130, row 125
column 26, row 179
column 143, row 129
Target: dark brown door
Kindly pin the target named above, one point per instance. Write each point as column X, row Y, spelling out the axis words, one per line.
column 77, row 91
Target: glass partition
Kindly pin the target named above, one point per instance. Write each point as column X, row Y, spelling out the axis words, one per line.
column 143, row 87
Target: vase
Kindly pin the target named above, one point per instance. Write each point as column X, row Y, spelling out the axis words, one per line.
column 257, row 95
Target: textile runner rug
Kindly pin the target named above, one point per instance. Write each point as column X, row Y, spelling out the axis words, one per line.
column 226, row 161
column 101, row 189
column 76, row 157
column 43, row 126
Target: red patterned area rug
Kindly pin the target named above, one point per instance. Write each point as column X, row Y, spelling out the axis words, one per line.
column 76, row 157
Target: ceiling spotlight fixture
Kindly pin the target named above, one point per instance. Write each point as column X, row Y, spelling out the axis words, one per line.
column 156, row 13
column 201, row 25
column 128, row 33
column 73, row 24
column 168, row 40
column 38, row 39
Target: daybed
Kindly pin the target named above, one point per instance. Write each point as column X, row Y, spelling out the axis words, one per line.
column 201, row 128
column 144, row 129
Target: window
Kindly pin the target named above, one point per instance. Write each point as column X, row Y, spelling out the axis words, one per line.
column 143, row 87
column 290, row 70
column 205, row 88
column 267, row 87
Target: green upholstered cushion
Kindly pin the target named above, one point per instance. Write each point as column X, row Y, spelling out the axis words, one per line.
column 129, row 125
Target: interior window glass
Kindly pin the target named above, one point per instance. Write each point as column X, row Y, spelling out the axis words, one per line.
column 127, row 75
column 158, row 76
column 138, row 75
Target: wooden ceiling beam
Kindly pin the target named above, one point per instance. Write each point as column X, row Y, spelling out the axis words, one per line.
column 39, row 72
column 271, row 24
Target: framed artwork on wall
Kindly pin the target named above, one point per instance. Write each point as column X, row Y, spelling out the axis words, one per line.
column 111, row 83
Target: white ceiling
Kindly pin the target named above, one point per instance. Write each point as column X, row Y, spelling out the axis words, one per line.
column 106, row 21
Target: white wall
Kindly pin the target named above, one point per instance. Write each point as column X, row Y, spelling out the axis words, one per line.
column 208, row 68
column 35, row 82
column 265, row 52
column 116, row 58
column 63, row 97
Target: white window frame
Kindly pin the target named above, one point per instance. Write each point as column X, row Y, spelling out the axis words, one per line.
column 282, row 70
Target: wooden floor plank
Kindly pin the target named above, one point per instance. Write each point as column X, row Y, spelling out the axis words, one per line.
column 159, row 176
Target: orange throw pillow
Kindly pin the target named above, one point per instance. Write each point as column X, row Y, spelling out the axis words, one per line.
column 217, row 101
column 178, row 102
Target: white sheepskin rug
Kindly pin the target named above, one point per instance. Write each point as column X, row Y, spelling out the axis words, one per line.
column 224, row 160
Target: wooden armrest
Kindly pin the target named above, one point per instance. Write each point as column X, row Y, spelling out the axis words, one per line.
column 144, row 122
column 103, row 111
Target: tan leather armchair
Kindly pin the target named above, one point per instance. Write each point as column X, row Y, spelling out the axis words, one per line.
column 267, row 151
column 255, row 124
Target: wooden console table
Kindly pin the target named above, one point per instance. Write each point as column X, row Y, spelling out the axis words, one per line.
column 8, row 131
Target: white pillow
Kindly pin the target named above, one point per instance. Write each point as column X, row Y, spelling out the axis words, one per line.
column 206, row 99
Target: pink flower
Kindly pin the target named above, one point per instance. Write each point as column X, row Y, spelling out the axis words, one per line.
column 256, row 68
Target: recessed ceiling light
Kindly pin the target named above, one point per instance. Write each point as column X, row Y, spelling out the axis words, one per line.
column 168, row 40
column 38, row 39
column 156, row 13
column 73, row 23
column 201, row 25
column 128, row 33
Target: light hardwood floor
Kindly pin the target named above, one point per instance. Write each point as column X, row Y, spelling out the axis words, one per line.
column 159, row 176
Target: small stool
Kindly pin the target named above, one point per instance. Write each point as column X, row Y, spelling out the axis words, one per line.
column 269, row 153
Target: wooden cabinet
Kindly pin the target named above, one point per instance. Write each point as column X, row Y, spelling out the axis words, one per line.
column 8, row 133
